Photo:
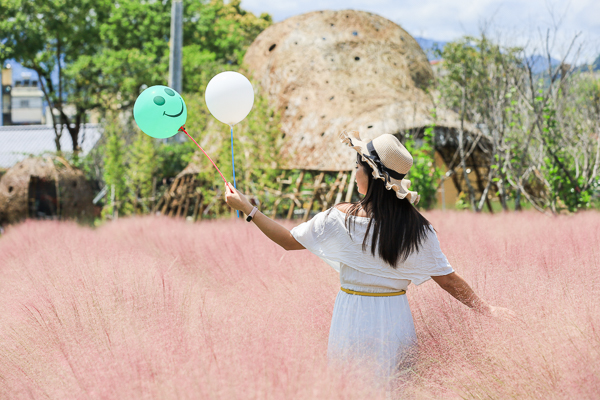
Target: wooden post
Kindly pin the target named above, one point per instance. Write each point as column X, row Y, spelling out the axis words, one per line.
column 174, row 197
column 190, row 185
column 112, row 199
column 338, row 198
column 173, row 205
column 351, row 186
column 153, row 201
column 135, row 202
column 158, row 204
column 182, row 196
column 173, row 187
column 169, row 195
column 295, row 193
column 480, row 184
column 186, row 206
column 196, row 207
column 280, row 180
column 167, row 201
column 331, row 191
column 274, row 212
column 312, row 200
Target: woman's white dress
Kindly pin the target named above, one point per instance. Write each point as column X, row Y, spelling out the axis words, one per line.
column 378, row 329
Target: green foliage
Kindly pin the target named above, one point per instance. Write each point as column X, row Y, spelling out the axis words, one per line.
column 48, row 35
column 478, row 83
column 114, row 171
column 106, row 51
column 559, row 167
column 256, row 141
column 141, row 170
column 541, row 130
column 462, row 202
column 424, row 174
column 173, row 157
column 261, row 142
column 472, row 65
column 223, row 29
column 131, row 162
column 215, row 34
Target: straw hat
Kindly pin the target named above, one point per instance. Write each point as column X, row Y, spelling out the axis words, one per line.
column 389, row 159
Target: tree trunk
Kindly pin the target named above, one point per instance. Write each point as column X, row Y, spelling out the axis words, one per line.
column 518, row 199
column 461, row 146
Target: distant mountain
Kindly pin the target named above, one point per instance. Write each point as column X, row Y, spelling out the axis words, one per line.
column 429, row 46
column 595, row 66
column 539, row 64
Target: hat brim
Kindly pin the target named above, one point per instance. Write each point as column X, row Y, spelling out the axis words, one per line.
column 400, row 186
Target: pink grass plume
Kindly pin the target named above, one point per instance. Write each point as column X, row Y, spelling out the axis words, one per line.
column 153, row 307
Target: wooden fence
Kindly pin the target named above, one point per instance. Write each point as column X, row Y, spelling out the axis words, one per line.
column 308, row 191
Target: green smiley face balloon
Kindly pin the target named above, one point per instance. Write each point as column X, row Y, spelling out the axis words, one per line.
column 159, row 111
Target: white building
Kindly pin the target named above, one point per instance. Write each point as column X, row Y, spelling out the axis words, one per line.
column 26, row 101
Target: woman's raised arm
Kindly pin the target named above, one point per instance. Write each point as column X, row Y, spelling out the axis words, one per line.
column 273, row 230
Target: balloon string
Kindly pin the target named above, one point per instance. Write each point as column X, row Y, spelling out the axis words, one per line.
column 233, row 164
column 182, row 129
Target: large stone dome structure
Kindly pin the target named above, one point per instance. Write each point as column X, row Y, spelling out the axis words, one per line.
column 327, row 71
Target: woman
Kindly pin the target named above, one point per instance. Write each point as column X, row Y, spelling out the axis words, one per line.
column 371, row 317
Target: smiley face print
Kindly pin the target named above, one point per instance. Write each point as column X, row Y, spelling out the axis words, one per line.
column 160, row 111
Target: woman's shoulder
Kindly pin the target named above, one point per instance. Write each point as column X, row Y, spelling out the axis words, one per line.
column 430, row 241
column 344, row 207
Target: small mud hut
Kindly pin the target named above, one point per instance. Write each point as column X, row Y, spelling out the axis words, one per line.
column 327, row 71
column 44, row 188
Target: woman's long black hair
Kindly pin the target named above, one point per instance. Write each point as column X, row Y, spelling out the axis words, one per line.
column 396, row 221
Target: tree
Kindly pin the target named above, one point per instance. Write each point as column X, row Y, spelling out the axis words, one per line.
column 142, row 165
column 114, row 168
column 543, row 127
column 424, row 175
column 51, row 36
column 256, row 169
column 104, row 52
column 215, row 38
column 477, row 84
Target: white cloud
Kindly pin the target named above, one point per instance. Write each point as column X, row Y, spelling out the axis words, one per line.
column 518, row 20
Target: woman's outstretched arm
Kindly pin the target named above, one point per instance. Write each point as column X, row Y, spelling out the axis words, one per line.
column 273, row 230
column 460, row 290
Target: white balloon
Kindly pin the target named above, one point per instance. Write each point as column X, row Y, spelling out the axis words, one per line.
column 229, row 97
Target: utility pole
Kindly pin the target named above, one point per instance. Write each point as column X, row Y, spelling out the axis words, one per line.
column 175, row 45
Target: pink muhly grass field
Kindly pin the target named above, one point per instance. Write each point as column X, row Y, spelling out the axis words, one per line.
column 157, row 308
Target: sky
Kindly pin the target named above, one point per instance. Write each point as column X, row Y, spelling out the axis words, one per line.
column 511, row 21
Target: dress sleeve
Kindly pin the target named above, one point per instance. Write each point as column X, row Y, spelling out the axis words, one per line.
column 319, row 236
column 431, row 260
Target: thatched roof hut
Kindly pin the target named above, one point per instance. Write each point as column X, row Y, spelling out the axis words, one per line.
column 332, row 70
column 44, row 188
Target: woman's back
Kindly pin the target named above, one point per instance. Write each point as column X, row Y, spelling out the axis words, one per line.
column 364, row 329
column 326, row 236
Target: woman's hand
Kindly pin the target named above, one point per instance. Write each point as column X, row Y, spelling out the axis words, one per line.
column 503, row 313
column 499, row 313
column 236, row 200
column 459, row 289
